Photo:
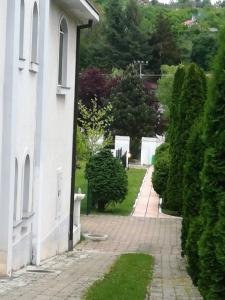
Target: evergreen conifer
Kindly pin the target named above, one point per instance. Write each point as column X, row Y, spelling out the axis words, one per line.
column 132, row 115
column 193, row 160
column 173, row 193
column 211, row 246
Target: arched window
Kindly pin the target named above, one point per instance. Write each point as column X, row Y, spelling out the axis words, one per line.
column 22, row 16
column 34, row 47
column 26, row 185
column 63, row 47
column 15, row 190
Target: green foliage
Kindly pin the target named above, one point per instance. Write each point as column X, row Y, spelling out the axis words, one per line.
column 165, row 86
column 123, row 280
column 192, row 196
column 95, row 123
column 108, row 179
column 135, row 178
column 164, row 50
column 189, row 109
column 211, row 249
column 191, row 247
column 204, row 49
column 131, row 113
column 193, row 162
column 81, row 145
column 161, row 169
column 126, row 27
column 173, row 197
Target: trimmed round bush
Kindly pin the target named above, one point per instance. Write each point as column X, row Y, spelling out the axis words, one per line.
column 107, row 178
column 161, row 169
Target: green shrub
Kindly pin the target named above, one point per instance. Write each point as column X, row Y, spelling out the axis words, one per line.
column 161, row 169
column 108, row 179
column 191, row 248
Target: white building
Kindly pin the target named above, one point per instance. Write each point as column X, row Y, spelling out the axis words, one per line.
column 37, row 75
column 148, row 148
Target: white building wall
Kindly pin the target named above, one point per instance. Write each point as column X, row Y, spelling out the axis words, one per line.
column 122, row 142
column 56, row 149
column 3, row 13
column 3, row 10
column 148, row 148
column 37, row 122
column 26, row 78
column 8, row 140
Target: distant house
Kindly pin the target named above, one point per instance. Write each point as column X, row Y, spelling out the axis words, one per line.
column 190, row 22
column 37, row 74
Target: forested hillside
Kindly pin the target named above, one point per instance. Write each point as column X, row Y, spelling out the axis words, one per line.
column 129, row 32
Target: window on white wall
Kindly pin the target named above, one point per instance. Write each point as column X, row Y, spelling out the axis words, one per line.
column 15, row 190
column 26, row 185
column 34, row 46
column 22, row 16
column 63, row 48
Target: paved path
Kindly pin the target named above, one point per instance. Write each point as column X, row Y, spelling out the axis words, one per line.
column 67, row 276
column 147, row 203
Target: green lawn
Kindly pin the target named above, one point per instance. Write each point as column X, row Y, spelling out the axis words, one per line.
column 128, row 279
column 81, row 183
column 135, row 177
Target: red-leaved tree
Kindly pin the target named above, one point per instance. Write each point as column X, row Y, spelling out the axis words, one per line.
column 94, row 84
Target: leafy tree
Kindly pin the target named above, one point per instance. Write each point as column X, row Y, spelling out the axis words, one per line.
column 108, row 179
column 132, row 115
column 93, row 45
column 211, row 249
column 164, row 50
column 94, row 84
column 204, row 49
column 125, row 42
column 165, row 86
column 95, row 123
column 81, row 145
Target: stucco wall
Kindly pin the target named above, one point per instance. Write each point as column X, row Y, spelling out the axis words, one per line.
column 56, row 149
column 3, row 6
column 38, row 123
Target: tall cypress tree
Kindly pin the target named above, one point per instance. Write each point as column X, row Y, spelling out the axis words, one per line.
column 173, row 195
column 190, row 106
column 193, row 160
column 211, row 246
column 192, row 196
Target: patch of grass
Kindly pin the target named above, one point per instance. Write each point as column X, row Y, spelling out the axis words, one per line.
column 135, row 178
column 81, row 183
column 128, row 279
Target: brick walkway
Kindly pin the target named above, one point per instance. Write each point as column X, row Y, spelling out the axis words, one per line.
column 68, row 276
column 147, row 203
column 158, row 237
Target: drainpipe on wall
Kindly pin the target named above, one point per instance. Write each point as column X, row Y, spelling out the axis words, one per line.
column 75, row 116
